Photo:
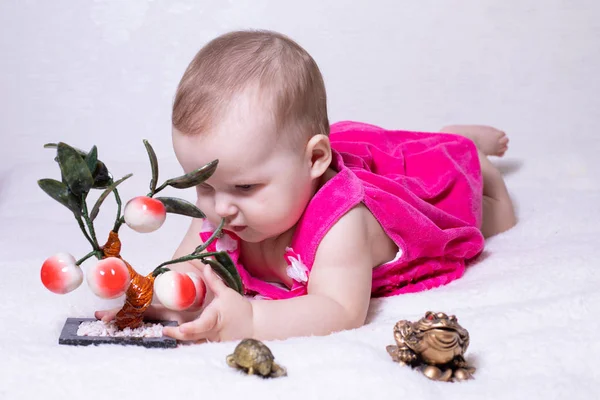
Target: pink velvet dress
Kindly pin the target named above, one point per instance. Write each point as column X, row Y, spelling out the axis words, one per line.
column 425, row 189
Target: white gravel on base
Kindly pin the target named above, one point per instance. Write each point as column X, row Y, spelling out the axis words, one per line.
column 100, row 328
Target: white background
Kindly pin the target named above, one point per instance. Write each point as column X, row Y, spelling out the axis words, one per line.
column 104, row 72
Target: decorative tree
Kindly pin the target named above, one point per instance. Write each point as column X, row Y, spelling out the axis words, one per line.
column 112, row 276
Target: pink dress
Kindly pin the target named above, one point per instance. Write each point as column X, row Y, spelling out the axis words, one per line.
column 425, row 189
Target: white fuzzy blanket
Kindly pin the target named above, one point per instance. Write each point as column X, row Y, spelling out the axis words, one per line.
column 105, row 72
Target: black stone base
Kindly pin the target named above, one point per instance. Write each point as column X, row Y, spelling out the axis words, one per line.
column 69, row 336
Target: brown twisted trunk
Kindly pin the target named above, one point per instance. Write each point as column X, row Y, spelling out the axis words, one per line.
column 139, row 294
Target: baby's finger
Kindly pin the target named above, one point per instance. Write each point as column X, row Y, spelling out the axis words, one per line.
column 107, row 315
column 213, row 282
column 157, row 312
column 201, row 328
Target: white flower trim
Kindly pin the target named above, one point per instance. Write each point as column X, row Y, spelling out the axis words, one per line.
column 226, row 243
column 207, row 226
column 223, row 243
column 296, row 268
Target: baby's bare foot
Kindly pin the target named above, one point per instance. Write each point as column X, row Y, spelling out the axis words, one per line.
column 491, row 141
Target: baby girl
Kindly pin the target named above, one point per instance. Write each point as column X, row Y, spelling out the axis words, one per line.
column 319, row 218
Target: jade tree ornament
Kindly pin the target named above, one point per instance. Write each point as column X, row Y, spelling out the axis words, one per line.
column 112, row 276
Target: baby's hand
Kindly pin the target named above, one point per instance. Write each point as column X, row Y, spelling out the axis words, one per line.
column 154, row 312
column 227, row 317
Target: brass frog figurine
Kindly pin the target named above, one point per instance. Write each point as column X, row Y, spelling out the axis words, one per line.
column 435, row 345
column 255, row 358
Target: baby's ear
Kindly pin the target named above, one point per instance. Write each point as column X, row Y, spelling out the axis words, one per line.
column 318, row 151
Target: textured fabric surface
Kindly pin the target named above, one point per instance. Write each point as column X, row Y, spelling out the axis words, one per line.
column 104, row 72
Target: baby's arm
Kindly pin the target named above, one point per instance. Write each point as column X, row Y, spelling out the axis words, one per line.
column 339, row 287
column 339, row 291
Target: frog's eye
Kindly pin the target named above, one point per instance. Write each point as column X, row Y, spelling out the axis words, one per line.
column 430, row 316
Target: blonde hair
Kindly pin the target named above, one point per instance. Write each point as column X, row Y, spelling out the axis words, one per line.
column 232, row 63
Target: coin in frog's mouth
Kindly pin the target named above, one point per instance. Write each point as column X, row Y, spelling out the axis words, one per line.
column 441, row 328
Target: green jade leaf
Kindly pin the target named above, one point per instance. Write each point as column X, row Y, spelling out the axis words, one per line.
column 91, row 159
column 60, row 192
column 102, row 177
column 224, row 259
column 179, row 206
column 104, row 195
column 224, row 274
column 74, row 169
column 99, row 172
column 193, row 178
column 153, row 166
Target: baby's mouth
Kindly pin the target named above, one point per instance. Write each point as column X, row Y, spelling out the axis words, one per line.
column 236, row 229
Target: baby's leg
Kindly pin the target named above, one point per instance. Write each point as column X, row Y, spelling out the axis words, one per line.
column 490, row 141
column 498, row 210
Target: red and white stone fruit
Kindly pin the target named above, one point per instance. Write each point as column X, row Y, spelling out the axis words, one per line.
column 109, row 278
column 175, row 290
column 200, row 292
column 60, row 274
column 144, row 214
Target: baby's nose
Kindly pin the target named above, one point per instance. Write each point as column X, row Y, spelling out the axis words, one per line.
column 224, row 208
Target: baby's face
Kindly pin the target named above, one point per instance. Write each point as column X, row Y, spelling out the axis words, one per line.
column 261, row 188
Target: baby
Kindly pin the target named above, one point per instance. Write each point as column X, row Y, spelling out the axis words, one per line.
column 319, row 218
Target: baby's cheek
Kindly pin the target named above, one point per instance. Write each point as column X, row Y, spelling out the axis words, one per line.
column 263, row 212
column 206, row 205
column 301, row 196
column 288, row 210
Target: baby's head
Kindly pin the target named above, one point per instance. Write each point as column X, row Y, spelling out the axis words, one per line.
column 255, row 101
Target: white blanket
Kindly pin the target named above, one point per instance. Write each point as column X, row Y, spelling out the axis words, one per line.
column 105, row 73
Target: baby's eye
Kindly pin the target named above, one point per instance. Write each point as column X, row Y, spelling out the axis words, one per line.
column 245, row 188
column 204, row 187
